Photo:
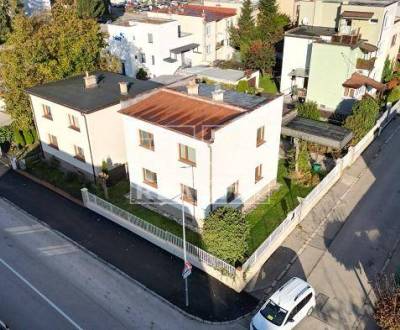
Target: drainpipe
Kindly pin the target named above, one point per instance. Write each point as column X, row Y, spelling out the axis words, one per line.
column 210, row 180
column 90, row 148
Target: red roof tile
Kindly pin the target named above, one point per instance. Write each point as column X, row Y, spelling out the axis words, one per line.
column 184, row 114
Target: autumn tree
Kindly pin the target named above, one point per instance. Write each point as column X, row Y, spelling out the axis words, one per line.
column 243, row 32
column 45, row 48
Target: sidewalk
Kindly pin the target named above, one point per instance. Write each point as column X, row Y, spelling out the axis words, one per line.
column 144, row 262
column 313, row 250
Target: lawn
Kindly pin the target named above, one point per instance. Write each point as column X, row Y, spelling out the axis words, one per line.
column 268, row 84
column 268, row 215
column 117, row 197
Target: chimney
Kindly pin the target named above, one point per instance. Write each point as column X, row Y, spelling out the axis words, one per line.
column 90, row 80
column 192, row 87
column 123, row 87
column 218, row 94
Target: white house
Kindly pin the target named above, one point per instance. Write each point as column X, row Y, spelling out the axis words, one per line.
column 209, row 27
column 158, row 45
column 206, row 146
column 77, row 119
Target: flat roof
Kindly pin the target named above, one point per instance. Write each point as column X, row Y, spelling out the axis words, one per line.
column 215, row 73
column 311, row 31
column 319, row 132
column 242, row 100
column 181, row 113
column 184, row 48
column 372, row 3
column 71, row 92
column 210, row 13
column 129, row 19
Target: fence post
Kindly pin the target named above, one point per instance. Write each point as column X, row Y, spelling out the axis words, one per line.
column 85, row 196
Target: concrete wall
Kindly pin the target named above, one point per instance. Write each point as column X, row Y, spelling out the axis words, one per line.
column 296, row 54
column 318, row 13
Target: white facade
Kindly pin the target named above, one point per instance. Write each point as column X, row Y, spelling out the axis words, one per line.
column 230, row 157
column 146, row 43
column 212, row 36
column 99, row 135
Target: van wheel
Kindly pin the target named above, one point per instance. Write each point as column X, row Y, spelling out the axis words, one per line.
column 310, row 311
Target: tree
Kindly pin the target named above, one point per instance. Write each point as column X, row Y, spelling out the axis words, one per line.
column 45, row 48
column 308, row 109
column 387, row 72
column 6, row 134
column 394, row 95
column 363, row 117
column 91, row 8
column 141, row 74
column 225, row 234
column 242, row 34
column 259, row 55
column 8, row 9
column 387, row 307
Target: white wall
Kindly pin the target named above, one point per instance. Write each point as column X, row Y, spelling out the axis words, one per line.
column 134, row 40
column 233, row 154
column 296, row 54
column 104, row 127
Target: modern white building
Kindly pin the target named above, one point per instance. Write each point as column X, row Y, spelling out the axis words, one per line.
column 209, row 27
column 206, row 146
column 77, row 119
column 158, row 45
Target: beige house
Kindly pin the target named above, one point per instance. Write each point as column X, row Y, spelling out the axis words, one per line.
column 77, row 119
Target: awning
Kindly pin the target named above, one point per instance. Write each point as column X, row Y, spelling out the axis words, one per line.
column 299, row 73
column 357, row 14
column 184, row 48
column 170, row 60
column 357, row 80
column 318, row 132
column 366, row 47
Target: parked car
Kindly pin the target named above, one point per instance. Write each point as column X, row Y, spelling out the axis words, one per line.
column 3, row 326
column 286, row 307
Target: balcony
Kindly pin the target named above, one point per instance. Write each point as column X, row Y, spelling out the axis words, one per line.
column 346, row 39
column 364, row 64
column 219, row 44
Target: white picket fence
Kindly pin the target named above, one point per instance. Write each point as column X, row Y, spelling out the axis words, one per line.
column 226, row 273
column 146, row 229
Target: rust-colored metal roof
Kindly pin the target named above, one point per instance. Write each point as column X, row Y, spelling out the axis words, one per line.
column 357, row 14
column 185, row 114
column 357, row 80
column 210, row 13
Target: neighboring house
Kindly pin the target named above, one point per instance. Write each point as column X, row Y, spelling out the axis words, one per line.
column 211, row 147
column 35, row 6
column 158, row 45
column 339, row 39
column 223, row 76
column 209, row 27
column 77, row 119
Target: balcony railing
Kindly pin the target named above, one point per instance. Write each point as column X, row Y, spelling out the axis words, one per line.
column 364, row 64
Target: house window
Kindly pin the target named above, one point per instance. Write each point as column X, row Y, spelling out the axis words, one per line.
column 53, row 141
column 232, row 192
column 394, row 40
column 47, row 112
column 208, row 49
column 79, row 153
column 260, row 136
column 349, row 92
column 258, row 173
column 73, row 122
column 187, row 154
column 208, row 30
column 189, row 194
column 153, row 60
column 373, row 20
column 143, row 58
column 146, row 140
column 150, row 38
column 150, row 178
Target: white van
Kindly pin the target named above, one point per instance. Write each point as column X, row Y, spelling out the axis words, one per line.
column 286, row 307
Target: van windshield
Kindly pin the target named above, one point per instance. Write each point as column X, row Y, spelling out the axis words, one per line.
column 273, row 313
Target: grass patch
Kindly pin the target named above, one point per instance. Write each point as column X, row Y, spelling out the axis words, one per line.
column 267, row 216
column 268, row 84
column 117, row 197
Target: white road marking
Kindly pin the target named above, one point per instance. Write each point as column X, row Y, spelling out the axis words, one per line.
column 19, row 230
column 41, row 294
column 53, row 250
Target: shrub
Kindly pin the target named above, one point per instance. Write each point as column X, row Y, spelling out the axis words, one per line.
column 54, row 163
column 387, row 308
column 308, row 109
column 18, row 138
column 141, row 74
column 268, row 84
column 225, row 234
column 6, row 134
column 28, row 136
column 104, row 167
column 71, row 177
column 242, row 86
column 394, row 95
column 363, row 118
